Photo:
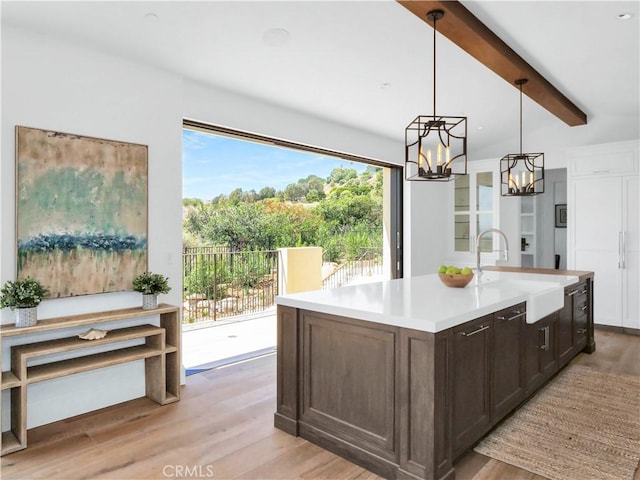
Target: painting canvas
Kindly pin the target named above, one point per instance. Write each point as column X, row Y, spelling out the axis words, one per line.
column 81, row 211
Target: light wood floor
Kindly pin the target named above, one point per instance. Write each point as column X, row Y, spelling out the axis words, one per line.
column 223, row 428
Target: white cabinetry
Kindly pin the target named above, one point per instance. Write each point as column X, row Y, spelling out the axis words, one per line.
column 476, row 200
column 603, row 233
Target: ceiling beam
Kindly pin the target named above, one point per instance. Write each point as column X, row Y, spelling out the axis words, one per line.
column 465, row 30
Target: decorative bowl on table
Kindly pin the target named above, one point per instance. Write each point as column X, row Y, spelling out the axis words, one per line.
column 455, row 280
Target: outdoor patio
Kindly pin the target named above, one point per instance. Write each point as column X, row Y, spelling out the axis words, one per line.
column 214, row 344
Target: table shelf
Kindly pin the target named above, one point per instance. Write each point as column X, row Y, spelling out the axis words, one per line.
column 160, row 351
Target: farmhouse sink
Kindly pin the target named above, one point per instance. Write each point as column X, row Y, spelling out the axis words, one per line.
column 544, row 294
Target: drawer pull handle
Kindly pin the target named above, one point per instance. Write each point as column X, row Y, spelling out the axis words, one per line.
column 576, row 291
column 478, row 330
column 582, row 330
column 583, row 308
column 518, row 314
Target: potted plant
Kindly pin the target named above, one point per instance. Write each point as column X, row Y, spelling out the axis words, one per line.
column 24, row 296
column 151, row 285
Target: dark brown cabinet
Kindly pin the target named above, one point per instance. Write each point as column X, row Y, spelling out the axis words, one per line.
column 508, row 374
column 470, row 388
column 541, row 361
column 407, row 403
column 572, row 322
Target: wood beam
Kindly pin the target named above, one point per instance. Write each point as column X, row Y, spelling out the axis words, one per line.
column 465, row 30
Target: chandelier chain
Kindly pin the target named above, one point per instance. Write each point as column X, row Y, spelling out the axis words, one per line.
column 435, row 20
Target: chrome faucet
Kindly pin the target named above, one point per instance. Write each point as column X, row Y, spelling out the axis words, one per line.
column 505, row 252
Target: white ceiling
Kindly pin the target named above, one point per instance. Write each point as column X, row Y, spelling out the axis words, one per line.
column 369, row 64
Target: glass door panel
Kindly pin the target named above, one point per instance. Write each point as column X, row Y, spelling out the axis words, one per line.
column 462, row 192
column 484, row 192
column 484, row 221
column 462, row 229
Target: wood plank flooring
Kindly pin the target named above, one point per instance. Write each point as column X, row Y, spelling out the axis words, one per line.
column 223, row 428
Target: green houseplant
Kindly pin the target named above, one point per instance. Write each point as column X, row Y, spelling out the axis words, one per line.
column 151, row 285
column 24, row 296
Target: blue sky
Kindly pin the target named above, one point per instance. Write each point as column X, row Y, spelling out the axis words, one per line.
column 215, row 164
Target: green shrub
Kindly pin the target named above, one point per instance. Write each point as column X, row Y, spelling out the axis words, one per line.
column 149, row 283
column 27, row 293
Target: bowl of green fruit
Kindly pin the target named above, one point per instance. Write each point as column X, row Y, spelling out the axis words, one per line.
column 455, row 277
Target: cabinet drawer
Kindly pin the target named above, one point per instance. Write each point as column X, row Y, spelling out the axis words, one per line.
column 577, row 291
column 581, row 306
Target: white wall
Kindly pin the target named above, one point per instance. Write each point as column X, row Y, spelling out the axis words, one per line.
column 53, row 85
column 224, row 108
column 428, row 207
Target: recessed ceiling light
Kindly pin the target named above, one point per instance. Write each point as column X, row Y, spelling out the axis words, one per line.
column 385, row 85
column 623, row 16
column 151, row 17
column 276, row 37
column 480, row 127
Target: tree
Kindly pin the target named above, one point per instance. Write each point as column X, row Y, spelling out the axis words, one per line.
column 339, row 175
column 294, row 192
column 266, row 192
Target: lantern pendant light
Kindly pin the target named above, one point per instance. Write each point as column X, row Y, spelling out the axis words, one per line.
column 435, row 145
column 521, row 174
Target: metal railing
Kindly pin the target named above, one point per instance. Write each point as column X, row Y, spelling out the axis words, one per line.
column 220, row 284
column 367, row 263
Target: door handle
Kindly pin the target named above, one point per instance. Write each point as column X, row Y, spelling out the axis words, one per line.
column 545, row 345
column 624, row 250
column 619, row 250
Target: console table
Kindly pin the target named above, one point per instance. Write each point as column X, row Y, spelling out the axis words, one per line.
column 160, row 351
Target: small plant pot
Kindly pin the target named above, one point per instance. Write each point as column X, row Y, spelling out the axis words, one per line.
column 149, row 302
column 26, row 317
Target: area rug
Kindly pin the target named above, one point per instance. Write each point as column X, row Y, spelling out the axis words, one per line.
column 585, row 424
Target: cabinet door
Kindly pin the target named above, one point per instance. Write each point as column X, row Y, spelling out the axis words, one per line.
column 541, row 352
column 549, row 350
column 631, row 254
column 508, row 386
column 470, row 362
column 597, row 237
column 566, row 327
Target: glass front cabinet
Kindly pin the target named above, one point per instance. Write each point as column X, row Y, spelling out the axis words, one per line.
column 476, row 197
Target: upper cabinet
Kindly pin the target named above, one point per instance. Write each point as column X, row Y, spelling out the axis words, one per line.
column 475, row 199
column 603, row 229
column 616, row 161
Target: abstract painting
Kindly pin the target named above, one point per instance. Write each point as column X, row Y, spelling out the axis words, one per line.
column 81, row 211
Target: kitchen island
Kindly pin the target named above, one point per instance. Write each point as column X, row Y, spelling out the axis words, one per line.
column 403, row 376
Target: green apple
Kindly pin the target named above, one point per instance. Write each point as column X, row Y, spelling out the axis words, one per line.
column 452, row 271
column 466, row 271
column 442, row 269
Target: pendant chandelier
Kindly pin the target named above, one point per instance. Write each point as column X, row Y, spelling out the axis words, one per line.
column 521, row 174
column 435, row 146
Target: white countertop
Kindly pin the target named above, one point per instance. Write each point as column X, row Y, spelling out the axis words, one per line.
column 424, row 303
